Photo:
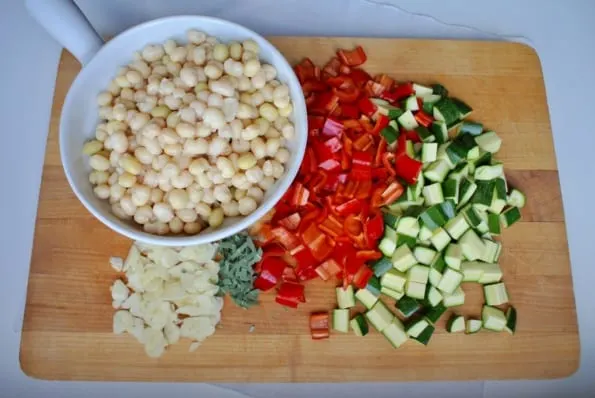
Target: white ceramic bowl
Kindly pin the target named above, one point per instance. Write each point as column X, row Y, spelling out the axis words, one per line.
column 80, row 113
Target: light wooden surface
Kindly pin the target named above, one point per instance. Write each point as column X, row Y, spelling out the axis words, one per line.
column 67, row 328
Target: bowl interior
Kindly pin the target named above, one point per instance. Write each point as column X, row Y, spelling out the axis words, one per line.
column 80, row 117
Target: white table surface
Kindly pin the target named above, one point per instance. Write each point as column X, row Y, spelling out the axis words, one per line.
column 561, row 32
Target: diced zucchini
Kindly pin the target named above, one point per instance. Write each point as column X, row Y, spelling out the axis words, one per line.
column 489, row 172
column 391, row 293
column 448, row 209
column 450, row 281
column 437, row 267
column 424, row 255
column 419, row 274
column 406, row 240
column 472, row 128
column 433, row 217
column 493, row 318
column 457, row 226
column 379, row 316
column 345, row 297
column 403, row 258
column 440, row 239
column 437, row 171
column 466, row 191
column 510, row 216
column 494, row 224
column 390, row 219
column 455, row 324
column 455, row 299
column 459, row 148
column 473, row 154
column 484, row 194
column 411, row 104
column 408, row 306
column 415, row 290
column 425, row 336
column 429, row 152
column 516, row 199
column 395, row 333
column 446, row 111
column 359, row 325
column 439, row 89
column 471, row 245
column 373, row 285
column 484, row 159
column 472, row 271
column 411, row 212
column 414, row 327
column 439, row 130
column 407, row 120
column 408, row 226
column 473, row 326
column 464, row 109
column 390, row 134
column 471, row 215
column 382, row 266
column 453, row 256
column 510, row 320
column 434, row 297
column 495, row 294
column 425, row 234
column 489, row 141
column 459, row 172
column 367, row 298
column 433, row 194
column 433, row 314
column 450, row 190
column 409, row 148
column 422, row 91
column 341, row 320
column 394, row 280
column 491, row 251
column 388, row 243
column 425, row 135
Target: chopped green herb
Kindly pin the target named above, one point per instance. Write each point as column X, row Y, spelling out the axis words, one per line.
column 236, row 272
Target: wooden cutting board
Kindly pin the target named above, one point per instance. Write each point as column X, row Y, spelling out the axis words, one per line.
column 67, row 328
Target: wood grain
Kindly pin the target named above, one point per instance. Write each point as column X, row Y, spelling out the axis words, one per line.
column 67, row 328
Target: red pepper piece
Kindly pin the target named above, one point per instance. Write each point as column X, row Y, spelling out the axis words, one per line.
column 289, row 275
column 333, row 180
column 317, row 242
column 385, row 81
column 305, row 274
column 309, row 163
column 411, row 135
column 361, row 278
column 291, row 222
column 300, row 195
column 387, row 162
column 363, row 190
column 332, row 226
column 352, row 124
column 401, row 145
column 408, row 168
column 304, row 70
column 324, row 104
column 350, row 111
column 392, row 192
column 366, row 106
column 374, row 228
column 285, row 238
column 352, row 206
column 287, row 302
column 271, row 272
column 332, row 128
column 381, row 122
column 364, row 142
column 368, row 255
column 328, row 269
column 331, row 68
column 380, row 151
column 374, row 89
column 292, row 291
column 319, row 325
column 272, row 250
column 347, row 95
column 361, row 168
column 380, row 174
column 354, row 57
column 423, row 118
column 403, row 91
column 359, row 77
column 313, row 86
column 334, row 144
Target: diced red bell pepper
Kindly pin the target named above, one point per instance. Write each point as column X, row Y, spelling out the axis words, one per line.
column 374, row 89
column 381, row 122
column 363, row 190
column 387, row 163
column 347, row 95
column 285, row 238
column 374, row 228
column 325, row 103
column 352, row 124
column 305, row 274
column 292, row 291
column 363, row 142
column 411, row 135
column 332, row 128
column 313, row 86
column 361, row 168
column 368, row 255
column 366, row 106
column 380, row 151
column 423, row 118
column 309, row 163
column 334, row 144
column 332, row 226
column 289, row 275
column 408, row 168
column 305, row 70
column 333, row 180
column 352, row 206
column 328, row 269
column 300, row 195
column 401, row 145
column 291, row 222
column 317, row 242
column 361, row 278
column 272, row 250
column 380, row 174
column 354, row 57
column 331, row 69
column 350, row 111
column 271, row 270
column 287, row 302
column 359, row 77
column 385, row 81
column 403, row 91
column 319, row 325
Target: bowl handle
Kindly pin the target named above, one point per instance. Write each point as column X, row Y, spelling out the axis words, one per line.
column 65, row 22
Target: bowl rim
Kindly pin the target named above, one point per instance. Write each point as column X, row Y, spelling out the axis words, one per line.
column 120, row 226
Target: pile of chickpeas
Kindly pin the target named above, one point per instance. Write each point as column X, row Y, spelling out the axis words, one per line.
column 189, row 134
